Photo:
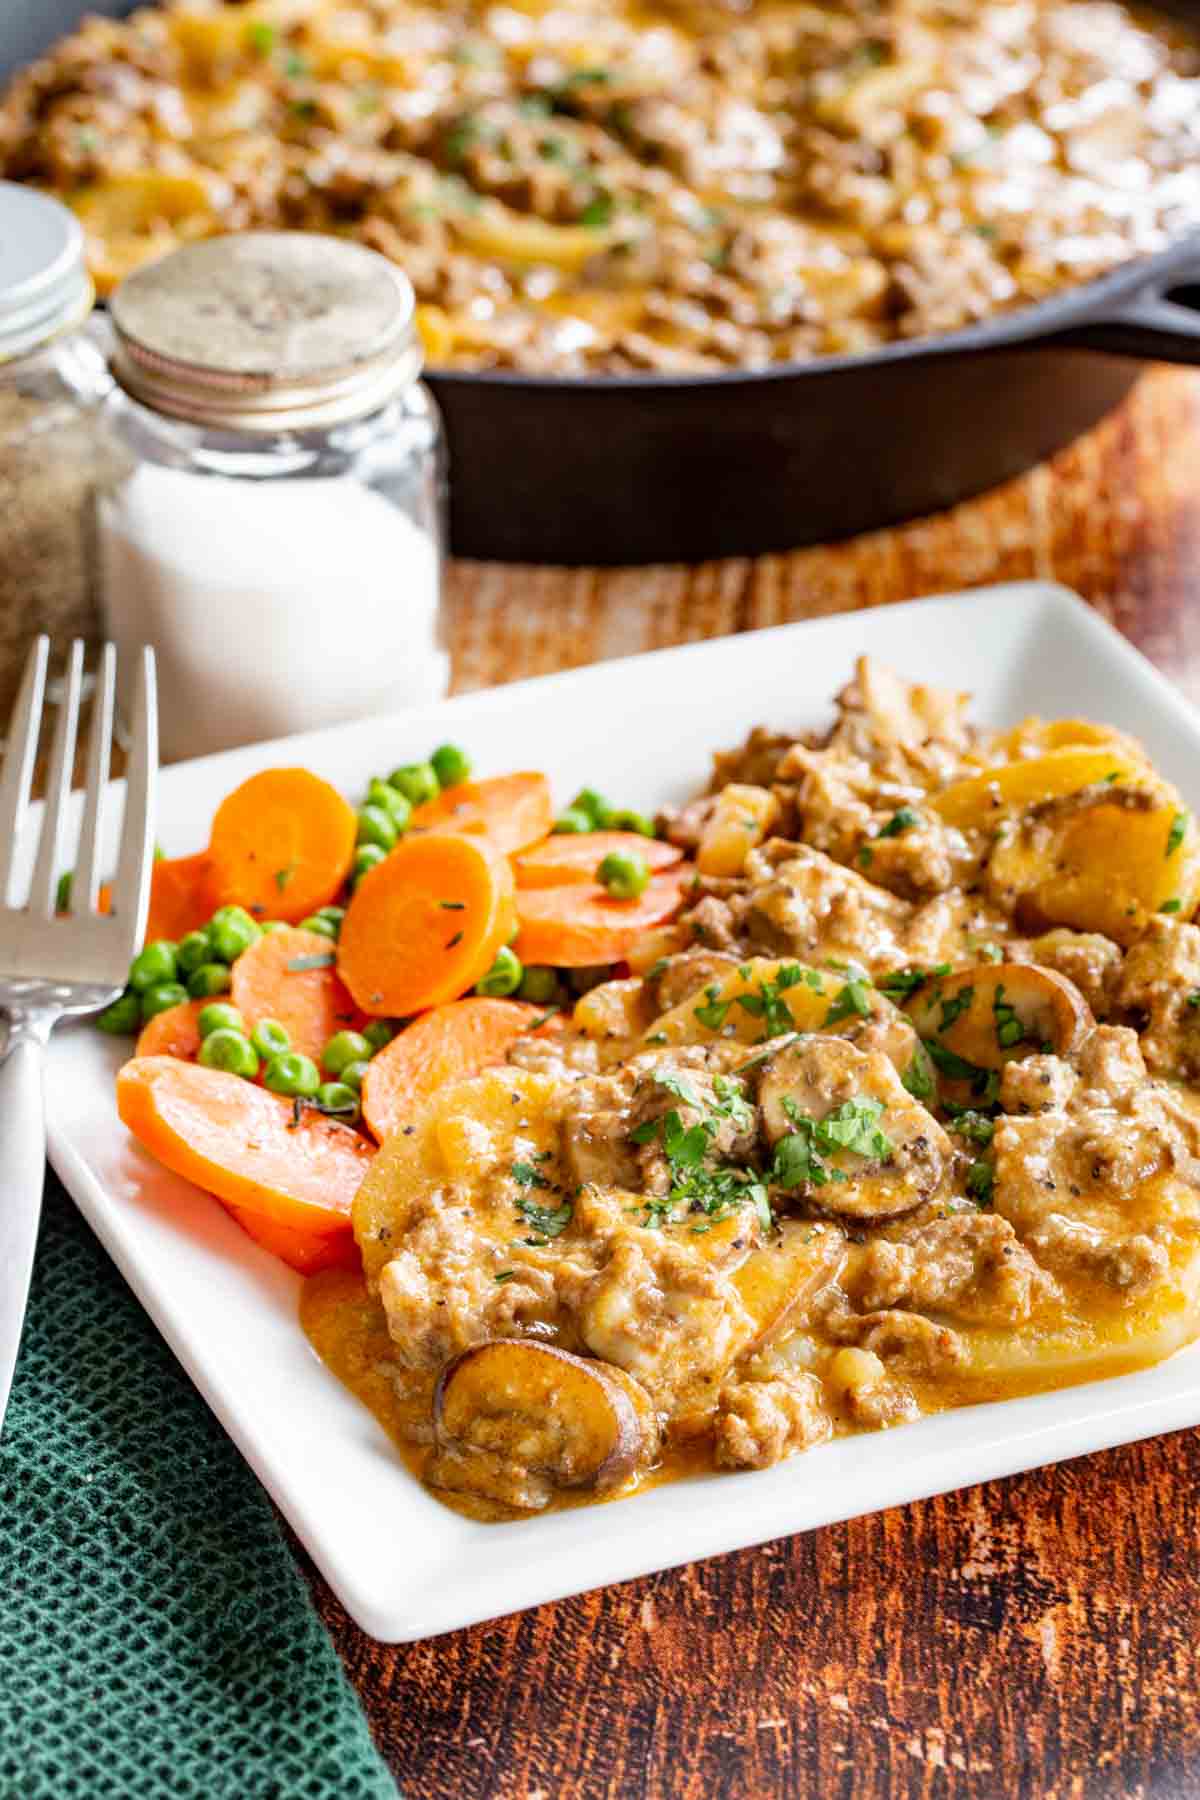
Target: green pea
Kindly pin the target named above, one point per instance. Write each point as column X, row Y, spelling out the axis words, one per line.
column 504, row 976
column 292, row 1074
column 231, row 1051
column 417, row 782
column 220, row 1016
column 344, row 1047
column 154, row 965
column 367, row 856
column 624, row 874
column 336, row 1098
column 62, row 897
column 270, row 1039
column 352, row 1074
column 393, row 802
column 158, row 999
column 625, row 820
column 323, row 927
column 574, row 821
column 335, row 914
column 540, row 986
column 588, row 801
column 207, row 980
column 450, row 764
column 192, row 950
column 379, row 1033
column 124, row 1015
column 232, row 930
column 376, row 827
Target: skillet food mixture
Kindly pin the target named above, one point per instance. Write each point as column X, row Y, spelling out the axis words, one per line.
column 897, row 1114
column 576, row 186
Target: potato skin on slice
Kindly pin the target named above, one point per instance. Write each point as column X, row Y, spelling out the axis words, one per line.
column 979, row 1012
column 514, row 1419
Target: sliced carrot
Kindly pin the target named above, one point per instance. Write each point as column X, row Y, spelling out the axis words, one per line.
column 289, row 975
column 447, row 1044
column 173, row 1033
column 575, row 927
column 181, row 896
column 251, row 1148
column 282, row 844
column 564, row 859
column 425, row 924
column 513, row 811
column 305, row 1251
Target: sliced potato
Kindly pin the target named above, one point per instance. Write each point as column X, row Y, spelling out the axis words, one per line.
column 615, row 1010
column 982, row 800
column 129, row 219
column 742, row 817
column 799, row 1260
column 1033, row 736
column 496, row 231
column 515, row 1419
column 811, row 1078
column 990, row 1014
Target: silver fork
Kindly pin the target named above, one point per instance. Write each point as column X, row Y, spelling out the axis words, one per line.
column 54, row 966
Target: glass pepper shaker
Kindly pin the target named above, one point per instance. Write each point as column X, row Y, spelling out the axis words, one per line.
column 52, row 454
column 275, row 530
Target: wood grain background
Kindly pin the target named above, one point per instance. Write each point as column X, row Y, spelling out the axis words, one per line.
column 1036, row 1636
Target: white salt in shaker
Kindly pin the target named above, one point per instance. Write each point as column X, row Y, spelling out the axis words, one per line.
column 276, row 530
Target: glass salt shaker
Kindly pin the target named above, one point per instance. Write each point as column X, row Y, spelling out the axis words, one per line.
column 275, row 530
column 52, row 454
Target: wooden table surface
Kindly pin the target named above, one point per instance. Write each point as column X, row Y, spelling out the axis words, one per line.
column 1035, row 1636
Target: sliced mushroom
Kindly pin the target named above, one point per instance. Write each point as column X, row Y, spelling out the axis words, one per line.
column 810, row 1080
column 515, row 1419
column 989, row 1015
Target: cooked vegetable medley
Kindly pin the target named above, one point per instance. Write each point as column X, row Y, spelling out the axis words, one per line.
column 574, row 185
column 879, row 1094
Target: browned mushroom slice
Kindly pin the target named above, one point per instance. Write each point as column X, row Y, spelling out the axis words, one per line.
column 977, row 1020
column 515, row 1419
column 847, row 1134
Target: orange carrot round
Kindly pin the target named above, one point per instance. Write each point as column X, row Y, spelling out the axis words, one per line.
column 253, row 1149
column 566, row 858
column 289, row 975
column 173, row 1032
column 578, row 926
column 282, row 844
column 425, row 924
column 448, row 1044
column 305, row 1251
column 512, row 811
column 181, row 897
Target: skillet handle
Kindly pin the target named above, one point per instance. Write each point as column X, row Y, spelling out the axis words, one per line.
column 1158, row 320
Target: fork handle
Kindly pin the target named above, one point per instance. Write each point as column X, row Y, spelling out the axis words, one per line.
column 22, row 1179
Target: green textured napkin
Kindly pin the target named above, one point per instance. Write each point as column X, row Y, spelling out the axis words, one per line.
column 156, row 1637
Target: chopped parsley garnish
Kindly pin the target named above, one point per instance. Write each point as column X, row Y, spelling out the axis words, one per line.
column 981, row 1181
column 903, row 819
column 505, row 1275
column 712, row 1013
column 768, row 1004
column 455, row 940
column 1009, row 1029
column 853, row 1000
column 918, row 1078
column 854, row 1126
column 1193, row 998
column 321, row 959
column 283, row 876
column 955, row 1007
column 815, row 980
column 900, row 983
column 547, row 1221
column 976, row 1127
column 717, row 1193
column 599, row 210
column 675, row 1084
column 1171, row 906
column 1177, row 832
column 656, row 969
column 985, row 1083
column 260, row 38
column 866, row 856
column 528, row 1176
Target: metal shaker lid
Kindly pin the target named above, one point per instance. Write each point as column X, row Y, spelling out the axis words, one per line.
column 265, row 331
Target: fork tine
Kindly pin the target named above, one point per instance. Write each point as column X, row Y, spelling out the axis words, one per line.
column 42, row 890
column 86, row 883
column 19, row 756
column 135, row 860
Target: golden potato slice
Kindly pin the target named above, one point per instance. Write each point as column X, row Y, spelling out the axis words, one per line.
column 496, row 231
column 132, row 218
column 818, row 1081
column 799, row 1260
column 987, row 1015
column 513, row 1411
column 742, row 817
column 1033, row 736
column 982, row 800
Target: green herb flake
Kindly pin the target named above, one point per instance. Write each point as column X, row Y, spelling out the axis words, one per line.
column 866, row 856
column 954, row 1008
column 283, row 876
column 919, row 1078
column 981, row 1181
column 853, row 1001
column 903, row 819
column 505, row 1275
column 713, row 1012
column 1171, row 906
column 1177, row 833
column 853, row 1126
column 528, row 1176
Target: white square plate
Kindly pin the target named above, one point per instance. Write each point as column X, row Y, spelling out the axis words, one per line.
column 643, row 729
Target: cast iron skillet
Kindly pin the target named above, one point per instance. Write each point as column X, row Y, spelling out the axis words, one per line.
column 619, row 469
